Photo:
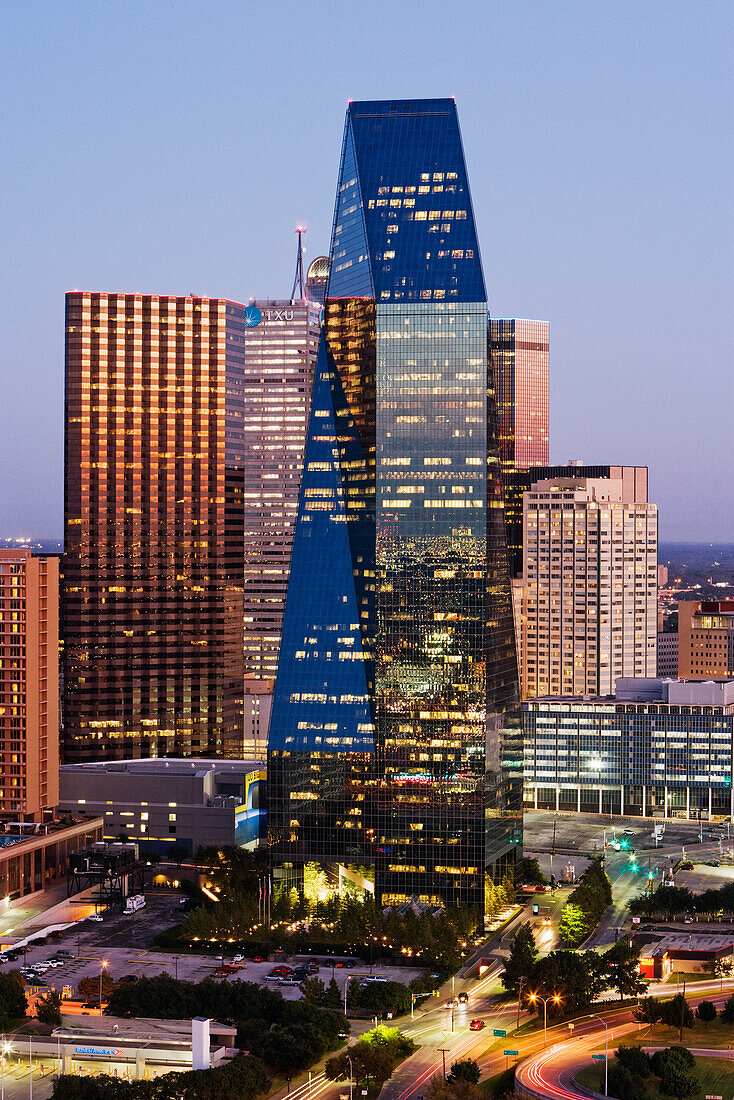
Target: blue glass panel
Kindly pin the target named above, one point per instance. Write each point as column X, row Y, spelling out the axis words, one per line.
column 321, row 699
column 414, row 193
column 349, row 267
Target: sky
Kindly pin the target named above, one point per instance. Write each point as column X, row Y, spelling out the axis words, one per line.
column 172, row 146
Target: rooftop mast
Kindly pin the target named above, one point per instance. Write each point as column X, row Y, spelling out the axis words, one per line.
column 299, row 281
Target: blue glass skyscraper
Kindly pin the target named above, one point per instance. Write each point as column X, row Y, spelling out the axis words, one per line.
column 395, row 736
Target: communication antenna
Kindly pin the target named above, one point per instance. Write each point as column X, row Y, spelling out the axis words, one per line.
column 299, row 281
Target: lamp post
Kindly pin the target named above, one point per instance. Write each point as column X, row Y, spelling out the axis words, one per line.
column 351, row 1078
column 606, row 1053
column 522, row 982
column 30, row 1067
column 101, row 972
column 556, row 999
column 6, row 1048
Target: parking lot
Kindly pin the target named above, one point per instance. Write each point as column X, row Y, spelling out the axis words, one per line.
column 124, row 943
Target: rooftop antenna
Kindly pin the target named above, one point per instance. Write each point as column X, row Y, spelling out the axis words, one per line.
column 298, row 280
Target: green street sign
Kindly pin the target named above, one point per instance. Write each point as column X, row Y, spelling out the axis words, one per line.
column 499, row 1033
column 512, row 1053
column 599, row 1057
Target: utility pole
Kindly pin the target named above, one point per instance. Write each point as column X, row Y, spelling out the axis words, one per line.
column 682, row 1010
column 444, row 1052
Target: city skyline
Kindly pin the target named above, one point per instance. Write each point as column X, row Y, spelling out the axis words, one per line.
column 589, row 217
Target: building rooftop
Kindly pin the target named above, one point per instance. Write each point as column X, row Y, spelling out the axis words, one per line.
column 117, row 1029
column 639, row 689
column 171, row 765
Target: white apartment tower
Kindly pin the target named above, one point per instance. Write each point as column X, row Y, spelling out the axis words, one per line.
column 589, row 599
column 280, row 354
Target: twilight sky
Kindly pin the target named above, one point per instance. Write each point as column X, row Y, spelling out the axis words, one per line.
column 172, row 146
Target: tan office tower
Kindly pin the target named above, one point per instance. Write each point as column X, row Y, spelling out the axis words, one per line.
column 153, row 555
column 29, row 685
column 706, row 639
column 590, row 586
column 280, row 354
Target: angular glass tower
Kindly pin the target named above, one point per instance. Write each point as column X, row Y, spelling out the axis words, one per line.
column 395, row 737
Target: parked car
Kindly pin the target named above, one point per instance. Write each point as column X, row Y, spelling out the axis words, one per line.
column 259, row 959
column 314, row 967
column 238, row 959
column 476, row 1025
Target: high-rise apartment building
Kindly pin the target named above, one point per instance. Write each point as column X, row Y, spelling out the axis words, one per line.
column 29, row 685
column 153, row 563
column 520, row 350
column 280, row 353
column 589, row 597
column 706, row 639
column 395, row 740
column 518, row 481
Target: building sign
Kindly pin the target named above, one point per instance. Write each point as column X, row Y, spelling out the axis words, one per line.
column 279, row 314
column 253, row 316
column 102, row 1052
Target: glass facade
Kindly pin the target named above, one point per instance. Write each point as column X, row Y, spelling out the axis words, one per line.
column 395, row 737
column 152, row 599
column 521, row 353
column 606, row 756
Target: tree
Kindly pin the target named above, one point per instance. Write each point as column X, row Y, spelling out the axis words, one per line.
column 635, row 1059
column 13, row 1003
column 577, row 979
column 672, row 900
column 465, row 1070
column 528, row 871
column 438, row 1089
column 380, row 997
column 674, row 1066
column 727, row 1012
column 314, row 992
column 624, row 969
column 522, row 958
column 677, row 1013
column 648, row 1011
column 574, row 926
column 88, row 988
column 624, row 1084
column 706, row 1012
column 48, row 1009
column 333, row 998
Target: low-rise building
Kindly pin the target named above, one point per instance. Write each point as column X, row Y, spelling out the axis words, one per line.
column 161, row 802
column 687, row 952
column 31, row 856
column 706, row 639
column 654, row 748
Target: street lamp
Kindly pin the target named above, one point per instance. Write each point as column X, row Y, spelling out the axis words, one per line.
column 351, row 1078
column 523, row 981
column 606, row 1053
column 556, row 999
column 101, row 972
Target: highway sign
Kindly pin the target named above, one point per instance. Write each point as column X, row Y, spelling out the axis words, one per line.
column 599, row 1057
column 499, row 1033
column 515, row 1054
